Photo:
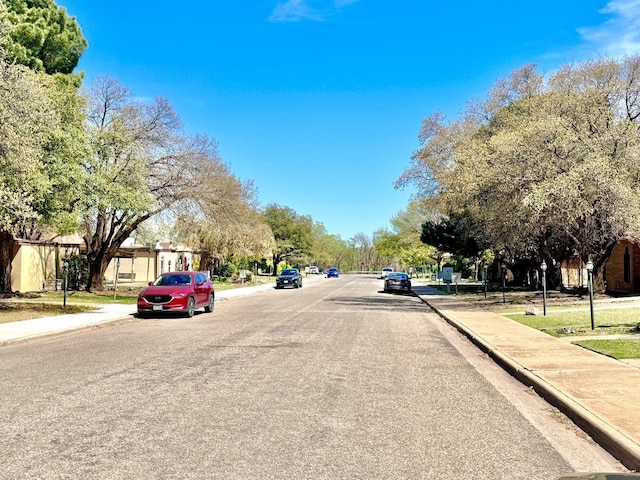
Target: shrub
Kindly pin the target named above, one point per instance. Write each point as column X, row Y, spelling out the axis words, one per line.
column 78, row 273
column 226, row 270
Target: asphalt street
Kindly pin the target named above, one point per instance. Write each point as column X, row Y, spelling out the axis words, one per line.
column 334, row 380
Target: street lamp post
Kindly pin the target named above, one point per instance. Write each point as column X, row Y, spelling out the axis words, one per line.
column 590, row 285
column 484, row 273
column 504, row 284
column 543, row 267
column 65, row 268
column 115, row 278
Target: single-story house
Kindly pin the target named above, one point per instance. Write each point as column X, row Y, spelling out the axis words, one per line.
column 37, row 266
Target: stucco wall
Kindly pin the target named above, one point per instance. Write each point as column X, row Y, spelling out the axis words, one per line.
column 146, row 266
column 141, row 268
column 33, row 268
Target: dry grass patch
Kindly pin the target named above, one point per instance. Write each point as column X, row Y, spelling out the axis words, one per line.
column 17, row 311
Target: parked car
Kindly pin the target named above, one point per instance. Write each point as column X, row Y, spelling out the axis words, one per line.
column 289, row 277
column 313, row 269
column 177, row 292
column 385, row 271
column 397, row 281
column 333, row 272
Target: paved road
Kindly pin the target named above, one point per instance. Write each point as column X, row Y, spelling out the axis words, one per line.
column 334, row 380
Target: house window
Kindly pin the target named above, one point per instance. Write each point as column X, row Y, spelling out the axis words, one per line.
column 627, row 266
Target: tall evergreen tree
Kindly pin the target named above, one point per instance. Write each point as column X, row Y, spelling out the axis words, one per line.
column 42, row 36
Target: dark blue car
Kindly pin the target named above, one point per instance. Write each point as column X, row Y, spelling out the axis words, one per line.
column 289, row 277
column 333, row 272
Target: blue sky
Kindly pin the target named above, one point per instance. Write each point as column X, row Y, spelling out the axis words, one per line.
column 320, row 102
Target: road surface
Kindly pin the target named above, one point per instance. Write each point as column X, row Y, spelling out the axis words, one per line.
column 333, row 380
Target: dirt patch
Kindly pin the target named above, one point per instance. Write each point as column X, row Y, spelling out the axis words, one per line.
column 512, row 297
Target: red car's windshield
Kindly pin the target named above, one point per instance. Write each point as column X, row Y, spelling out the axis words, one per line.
column 173, row 280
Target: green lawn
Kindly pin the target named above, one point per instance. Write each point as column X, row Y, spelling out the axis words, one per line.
column 610, row 321
column 616, row 348
column 567, row 316
column 606, row 321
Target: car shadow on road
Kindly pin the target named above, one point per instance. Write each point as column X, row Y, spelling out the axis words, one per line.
column 383, row 302
column 162, row 316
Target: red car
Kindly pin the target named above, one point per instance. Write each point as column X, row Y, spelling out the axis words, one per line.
column 181, row 292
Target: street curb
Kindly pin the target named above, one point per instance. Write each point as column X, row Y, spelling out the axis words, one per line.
column 617, row 444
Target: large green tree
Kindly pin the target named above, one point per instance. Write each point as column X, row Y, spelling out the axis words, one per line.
column 224, row 222
column 402, row 244
column 545, row 168
column 41, row 147
column 293, row 234
column 41, row 132
column 329, row 250
column 42, row 36
column 457, row 235
column 140, row 165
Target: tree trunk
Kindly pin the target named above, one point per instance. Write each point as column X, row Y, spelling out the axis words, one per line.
column 598, row 281
column 554, row 277
column 97, row 266
column 276, row 261
column 6, row 257
column 208, row 263
column 103, row 246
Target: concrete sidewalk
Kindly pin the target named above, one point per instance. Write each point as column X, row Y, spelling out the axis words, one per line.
column 599, row 394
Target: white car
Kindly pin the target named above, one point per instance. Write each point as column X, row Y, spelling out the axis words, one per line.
column 386, row 271
column 314, row 270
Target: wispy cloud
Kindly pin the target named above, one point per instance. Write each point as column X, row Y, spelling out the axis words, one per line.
column 316, row 11
column 293, row 11
column 620, row 34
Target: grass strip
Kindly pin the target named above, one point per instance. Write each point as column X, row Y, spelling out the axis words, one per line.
column 616, row 348
column 578, row 321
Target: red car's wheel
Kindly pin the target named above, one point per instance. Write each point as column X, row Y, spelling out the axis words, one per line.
column 191, row 307
column 209, row 307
